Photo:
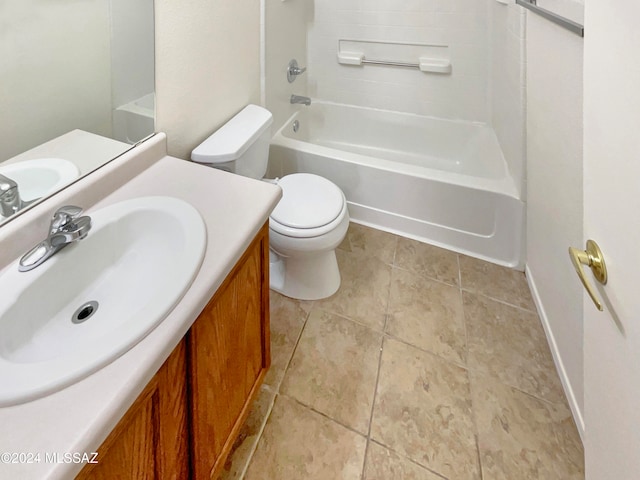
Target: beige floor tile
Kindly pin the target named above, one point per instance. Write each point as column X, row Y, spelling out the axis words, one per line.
column 298, row 443
column 383, row 464
column 369, row 241
column 248, row 437
column 521, row 437
column 287, row 318
column 429, row 421
column 509, row 344
column 427, row 314
column 423, row 410
column 364, row 291
column 494, row 281
column 334, row 369
column 428, row 260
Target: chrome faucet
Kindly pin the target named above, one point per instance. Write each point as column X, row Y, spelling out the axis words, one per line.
column 10, row 201
column 66, row 227
column 300, row 99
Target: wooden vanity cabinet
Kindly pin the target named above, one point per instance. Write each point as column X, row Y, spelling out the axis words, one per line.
column 228, row 357
column 185, row 422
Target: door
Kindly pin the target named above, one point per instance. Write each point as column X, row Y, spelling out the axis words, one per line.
column 612, row 219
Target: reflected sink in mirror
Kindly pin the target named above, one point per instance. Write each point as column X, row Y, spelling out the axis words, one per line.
column 40, row 177
column 97, row 298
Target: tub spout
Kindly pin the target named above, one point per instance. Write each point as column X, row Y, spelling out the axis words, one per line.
column 300, row 99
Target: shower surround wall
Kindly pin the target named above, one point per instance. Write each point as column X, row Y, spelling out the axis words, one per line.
column 462, row 25
column 485, row 44
column 285, row 37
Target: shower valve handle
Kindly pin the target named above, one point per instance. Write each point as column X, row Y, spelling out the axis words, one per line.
column 294, row 70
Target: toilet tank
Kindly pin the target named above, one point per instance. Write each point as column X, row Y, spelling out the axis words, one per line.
column 241, row 145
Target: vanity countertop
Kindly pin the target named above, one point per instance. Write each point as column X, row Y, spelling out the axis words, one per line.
column 78, row 418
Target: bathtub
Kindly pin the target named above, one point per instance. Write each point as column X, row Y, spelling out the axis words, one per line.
column 439, row 181
column 135, row 120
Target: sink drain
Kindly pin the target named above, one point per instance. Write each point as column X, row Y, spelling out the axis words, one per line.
column 85, row 312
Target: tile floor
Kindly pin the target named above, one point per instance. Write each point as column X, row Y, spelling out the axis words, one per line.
column 425, row 365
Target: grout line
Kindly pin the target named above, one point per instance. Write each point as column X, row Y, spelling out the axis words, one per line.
column 474, row 419
column 464, row 317
column 293, row 351
column 384, row 329
column 395, row 251
column 497, row 300
column 373, row 405
column 322, row 414
column 353, row 320
column 532, row 395
column 253, row 449
column 400, row 454
column 390, row 336
column 426, row 277
column 276, row 392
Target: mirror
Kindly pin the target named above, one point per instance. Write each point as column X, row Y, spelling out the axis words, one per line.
column 77, row 90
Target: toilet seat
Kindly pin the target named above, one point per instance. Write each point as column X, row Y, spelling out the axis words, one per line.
column 310, row 206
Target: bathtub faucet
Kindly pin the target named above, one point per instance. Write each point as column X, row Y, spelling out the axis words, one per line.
column 300, row 99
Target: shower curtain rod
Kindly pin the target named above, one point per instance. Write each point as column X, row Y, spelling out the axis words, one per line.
column 570, row 25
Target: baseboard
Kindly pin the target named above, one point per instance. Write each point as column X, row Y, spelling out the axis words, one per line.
column 557, row 357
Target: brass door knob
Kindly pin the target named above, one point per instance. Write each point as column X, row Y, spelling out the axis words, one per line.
column 593, row 258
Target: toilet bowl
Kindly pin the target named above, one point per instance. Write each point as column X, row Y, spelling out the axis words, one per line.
column 305, row 228
column 308, row 223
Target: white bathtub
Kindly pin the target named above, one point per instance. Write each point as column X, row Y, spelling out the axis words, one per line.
column 439, row 181
column 135, row 120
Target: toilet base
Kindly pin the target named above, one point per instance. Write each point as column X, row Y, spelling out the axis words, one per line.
column 310, row 277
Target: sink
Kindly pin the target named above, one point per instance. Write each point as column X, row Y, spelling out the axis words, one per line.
column 97, row 298
column 40, row 177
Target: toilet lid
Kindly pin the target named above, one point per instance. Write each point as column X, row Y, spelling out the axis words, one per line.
column 308, row 201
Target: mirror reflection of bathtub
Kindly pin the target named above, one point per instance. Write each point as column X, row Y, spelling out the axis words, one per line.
column 444, row 182
column 134, row 120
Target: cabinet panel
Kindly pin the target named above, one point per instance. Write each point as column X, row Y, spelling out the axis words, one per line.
column 228, row 355
column 151, row 440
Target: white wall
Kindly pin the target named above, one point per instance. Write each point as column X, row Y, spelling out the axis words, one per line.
column 285, row 39
column 460, row 24
column 207, row 67
column 507, row 82
column 554, row 193
column 55, row 71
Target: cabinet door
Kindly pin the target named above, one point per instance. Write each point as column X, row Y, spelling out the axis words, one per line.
column 151, row 440
column 228, row 357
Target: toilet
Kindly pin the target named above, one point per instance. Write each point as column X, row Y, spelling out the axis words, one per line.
column 308, row 223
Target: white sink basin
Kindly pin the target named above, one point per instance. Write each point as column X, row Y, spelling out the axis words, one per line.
column 40, row 177
column 137, row 262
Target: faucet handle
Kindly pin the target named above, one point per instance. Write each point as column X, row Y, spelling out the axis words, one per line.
column 63, row 216
column 293, row 70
